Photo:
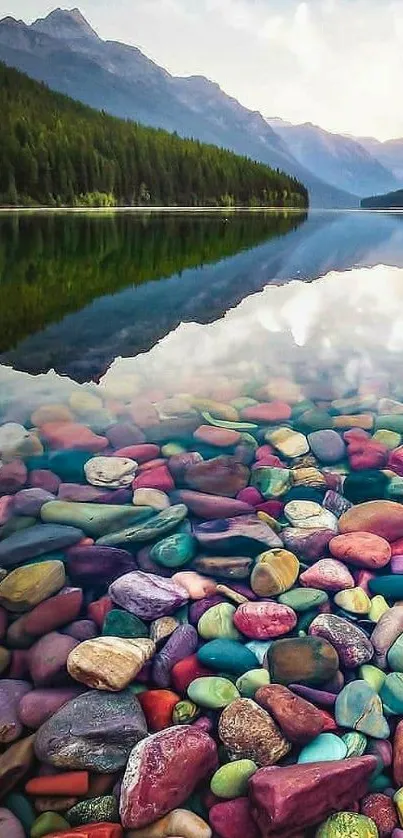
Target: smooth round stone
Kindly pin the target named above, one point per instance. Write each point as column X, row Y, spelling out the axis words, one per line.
column 308, row 545
column 348, row 825
column 392, row 693
column 49, row 823
column 389, row 586
column 174, row 551
column 359, row 707
column 109, row 663
column 197, row 586
column 327, row 575
column 48, row 658
column 219, row 437
column 231, row 780
column 224, row 567
column 324, row 748
column 29, row 585
column 259, row 648
column 45, row 480
column 217, row 622
column 395, row 655
column 287, row 442
column 180, row 823
column 95, row 519
column 350, row 642
column 372, row 675
column 327, row 446
column 97, row 810
column 303, row 599
column 271, row 482
column 380, row 517
column 111, row 472
column 218, row 476
column 94, row 732
column 13, row 477
column 299, row 720
column 11, row 693
column 122, row 624
column 36, row 541
column 227, row 656
column 50, row 614
column 147, row 596
column 10, row 826
column 181, row 644
column 378, row 608
column 388, row 628
column 72, row 435
column 275, row 572
column 307, row 660
column 153, row 498
column 212, row 692
column 81, row 629
column 233, row 819
column 212, row 506
column 367, row 485
column 92, row 566
column 37, row 706
column 264, row 620
column 391, row 439
column 30, row 501
column 361, row 549
column 153, row 528
column 250, row 682
column 354, row 600
column 307, row 514
column 15, row 441
column 248, row 732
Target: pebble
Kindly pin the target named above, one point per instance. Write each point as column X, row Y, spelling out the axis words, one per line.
column 212, row 692
column 275, row 572
column 306, row 660
column 231, row 780
column 348, row 825
column 109, row 663
column 263, row 620
column 29, row 585
column 360, row 708
column 249, row 732
column 361, row 549
column 179, row 822
column 299, row 720
column 148, row 597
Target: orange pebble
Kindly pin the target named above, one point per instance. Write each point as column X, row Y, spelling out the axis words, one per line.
column 93, row 830
column 158, row 706
column 98, row 610
column 365, row 421
column 71, row 783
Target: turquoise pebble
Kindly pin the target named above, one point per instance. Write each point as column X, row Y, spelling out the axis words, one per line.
column 391, row 586
column 174, row 551
column 324, row 748
column 21, row 807
column 69, row 465
column 392, row 693
column 395, row 655
column 227, row 655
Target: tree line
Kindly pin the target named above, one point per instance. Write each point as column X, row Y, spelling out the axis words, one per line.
column 55, row 151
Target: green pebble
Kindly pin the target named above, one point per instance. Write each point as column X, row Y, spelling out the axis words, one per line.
column 96, row 810
column 393, row 422
column 271, row 482
column 348, row 825
column 229, row 426
column 137, row 689
column 303, row 599
column 156, row 526
column 21, row 807
column 243, row 402
column 185, row 712
column 212, row 691
column 170, row 449
column 390, row 586
column 365, row 485
column 251, row 681
column 391, row 439
column 122, row 624
column 48, row 822
column 392, row 693
column 355, row 742
column 373, row 676
column 314, row 420
column 378, row 607
column 301, row 407
column 395, row 655
column 174, row 551
column 231, row 780
column 218, row 622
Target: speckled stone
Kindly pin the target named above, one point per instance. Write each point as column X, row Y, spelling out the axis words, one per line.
column 97, row 810
column 327, row 575
column 248, row 732
column 264, row 620
column 109, row 663
column 110, row 472
column 348, row 825
column 94, row 732
column 352, row 645
column 306, row 514
column 271, row 482
column 147, row 596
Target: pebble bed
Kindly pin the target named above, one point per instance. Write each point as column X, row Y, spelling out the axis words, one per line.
column 201, row 611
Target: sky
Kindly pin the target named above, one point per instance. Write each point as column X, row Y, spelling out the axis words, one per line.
column 336, row 63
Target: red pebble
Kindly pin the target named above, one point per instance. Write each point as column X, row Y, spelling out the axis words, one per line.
column 93, row 830
column 53, row 612
column 158, row 706
column 98, row 610
column 70, row 783
column 269, row 460
column 362, row 579
column 263, row 451
column 140, row 453
column 156, row 478
column 250, row 495
column 151, row 464
column 395, row 462
column 267, row 412
column 382, row 810
column 233, row 819
column 355, row 434
column 185, row 671
column 274, row 508
column 367, row 455
column 64, row 435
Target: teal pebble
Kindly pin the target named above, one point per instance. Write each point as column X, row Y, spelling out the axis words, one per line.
column 227, row 655
column 21, row 807
column 122, row 624
column 359, row 707
column 392, row 693
column 69, row 465
column 391, row 586
column 395, row 655
column 323, row 748
column 174, row 551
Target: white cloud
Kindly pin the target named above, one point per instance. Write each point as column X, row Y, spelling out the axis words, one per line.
column 338, row 63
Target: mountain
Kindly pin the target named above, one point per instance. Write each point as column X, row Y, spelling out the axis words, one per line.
column 389, row 153
column 337, row 159
column 56, row 151
column 65, row 52
column 392, row 200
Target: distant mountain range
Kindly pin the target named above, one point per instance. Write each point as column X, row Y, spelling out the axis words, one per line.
column 64, row 51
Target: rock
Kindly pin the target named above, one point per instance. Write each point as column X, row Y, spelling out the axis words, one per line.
column 95, row 519
column 224, row 567
column 327, row 575
column 15, row 762
column 380, row 517
column 227, row 656
column 13, row 476
column 219, row 476
column 30, row 501
column 48, row 658
column 109, row 663
column 359, row 707
column 349, row 825
column 352, row 645
column 231, row 780
column 11, row 693
column 49, row 615
column 212, row 692
column 160, row 629
column 93, row 732
column 355, row 601
column 181, row 644
column 390, row 586
column 264, row 620
column 72, row 782
column 155, row 782
column 158, row 477
column 98, row 809
column 44, row 479
column 72, row 435
column 308, row 545
column 248, row 732
column 242, row 535
column 36, row 541
column 385, row 633
column 153, row 528
column 174, row 551
column 327, row 446
column 211, row 506
column 306, row 514
column 218, row 621
column 220, row 437
column 110, row 472
column 153, row 498
column 306, row 660
column 179, row 822
column 303, row 599
column 97, row 565
column 288, row 442
column 325, row 748
column 158, row 707
column 367, row 485
column 272, row 482
column 233, row 819
column 197, row 586
column 300, row 796
column 147, row 596
column 37, row 706
column 391, row 693
column 10, row 826
column 122, row 624
column 275, row 572
column 27, row 586
column 299, row 720
column 249, row 683
column 380, row 808
column 361, row 549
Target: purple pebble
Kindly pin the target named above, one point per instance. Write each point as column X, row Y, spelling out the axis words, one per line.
column 181, row 644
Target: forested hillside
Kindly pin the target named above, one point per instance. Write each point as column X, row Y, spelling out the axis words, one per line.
column 391, row 200
column 55, row 151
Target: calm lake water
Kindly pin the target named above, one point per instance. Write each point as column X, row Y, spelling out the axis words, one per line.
column 99, row 296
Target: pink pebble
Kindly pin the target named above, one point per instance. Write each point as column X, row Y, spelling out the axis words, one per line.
column 196, row 585
column 6, row 508
column 250, row 495
column 139, row 453
column 155, row 478
column 264, row 620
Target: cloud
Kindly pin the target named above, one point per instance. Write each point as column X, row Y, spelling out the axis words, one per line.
column 338, row 63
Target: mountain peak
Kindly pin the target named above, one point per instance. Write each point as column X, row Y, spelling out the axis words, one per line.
column 66, row 24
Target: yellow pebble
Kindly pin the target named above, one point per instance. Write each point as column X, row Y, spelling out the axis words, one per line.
column 378, row 607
